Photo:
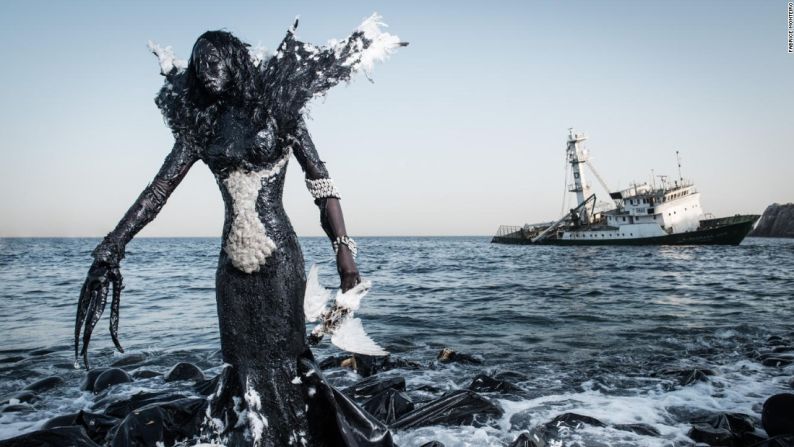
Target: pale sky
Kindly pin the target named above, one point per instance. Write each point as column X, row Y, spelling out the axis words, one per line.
column 461, row 131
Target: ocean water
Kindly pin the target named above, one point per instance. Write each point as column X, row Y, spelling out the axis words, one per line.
column 586, row 329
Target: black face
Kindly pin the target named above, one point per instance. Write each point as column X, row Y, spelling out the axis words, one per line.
column 211, row 68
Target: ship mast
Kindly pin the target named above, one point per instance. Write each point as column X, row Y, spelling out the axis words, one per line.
column 577, row 158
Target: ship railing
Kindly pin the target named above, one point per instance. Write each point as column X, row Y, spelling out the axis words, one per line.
column 510, row 232
column 706, row 224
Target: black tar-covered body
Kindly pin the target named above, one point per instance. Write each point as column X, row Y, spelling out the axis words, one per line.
column 244, row 120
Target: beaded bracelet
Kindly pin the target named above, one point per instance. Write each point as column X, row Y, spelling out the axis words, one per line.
column 322, row 188
column 347, row 241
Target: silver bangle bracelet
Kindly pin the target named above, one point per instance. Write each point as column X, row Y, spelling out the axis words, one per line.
column 347, row 241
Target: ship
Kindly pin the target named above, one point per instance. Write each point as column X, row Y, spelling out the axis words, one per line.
column 663, row 213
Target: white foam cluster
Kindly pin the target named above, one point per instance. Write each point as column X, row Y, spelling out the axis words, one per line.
column 248, row 245
column 167, row 59
column 257, row 422
column 299, row 436
column 215, row 424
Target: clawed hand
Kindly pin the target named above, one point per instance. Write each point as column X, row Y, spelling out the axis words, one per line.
column 93, row 298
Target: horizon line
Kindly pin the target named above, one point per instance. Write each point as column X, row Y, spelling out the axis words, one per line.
column 219, row 237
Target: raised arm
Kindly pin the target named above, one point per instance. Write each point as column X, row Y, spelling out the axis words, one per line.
column 327, row 198
column 105, row 270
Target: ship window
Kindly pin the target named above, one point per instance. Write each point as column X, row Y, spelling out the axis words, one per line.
column 624, row 218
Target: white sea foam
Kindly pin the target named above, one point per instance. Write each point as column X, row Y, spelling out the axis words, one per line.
column 739, row 387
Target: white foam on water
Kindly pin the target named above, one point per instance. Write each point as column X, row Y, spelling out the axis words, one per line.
column 70, row 399
column 740, row 387
column 462, row 436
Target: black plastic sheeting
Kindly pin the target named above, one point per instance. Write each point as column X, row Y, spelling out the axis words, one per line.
column 374, row 385
column 162, row 422
column 96, row 425
column 344, row 422
column 457, row 407
column 55, row 437
column 122, row 408
column 389, row 405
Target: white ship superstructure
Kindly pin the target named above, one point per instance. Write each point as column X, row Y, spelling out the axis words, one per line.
column 641, row 211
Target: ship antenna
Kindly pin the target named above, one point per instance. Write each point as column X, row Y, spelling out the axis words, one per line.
column 678, row 158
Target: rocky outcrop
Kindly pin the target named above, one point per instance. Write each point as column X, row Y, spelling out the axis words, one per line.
column 777, row 221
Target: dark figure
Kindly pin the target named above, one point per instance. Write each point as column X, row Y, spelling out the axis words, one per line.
column 243, row 117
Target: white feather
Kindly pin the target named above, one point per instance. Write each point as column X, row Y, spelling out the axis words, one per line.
column 315, row 297
column 382, row 44
column 258, row 54
column 350, row 336
column 165, row 56
column 351, row 300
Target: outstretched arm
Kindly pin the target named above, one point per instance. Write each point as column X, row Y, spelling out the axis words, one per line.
column 108, row 254
column 327, row 199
